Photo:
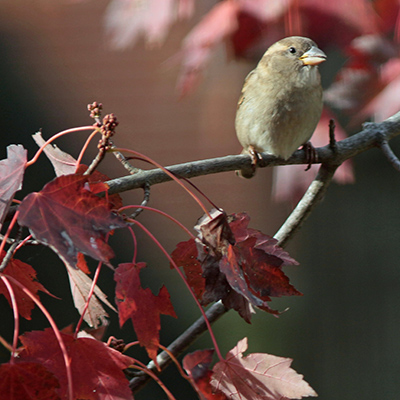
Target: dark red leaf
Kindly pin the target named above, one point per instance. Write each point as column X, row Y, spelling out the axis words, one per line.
column 27, row 380
column 234, row 300
column 185, row 255
column 97, row 370
column 141, row 306
column 239, row 225
column 97, row 185
column 197, row 363
column 12, row 170
column 256, row 274
column 241, row 266
column 25, row 275
column 197, row 366
column 70, row 219
column 214, row 238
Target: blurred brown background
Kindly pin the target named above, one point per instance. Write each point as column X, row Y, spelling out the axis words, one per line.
column 342, row 334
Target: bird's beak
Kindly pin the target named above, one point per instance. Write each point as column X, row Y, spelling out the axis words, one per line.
column 314, row 56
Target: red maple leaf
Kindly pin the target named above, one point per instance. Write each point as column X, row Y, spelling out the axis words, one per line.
column 185, row 255
column 197, row 365
column 27, row 380
column 141, row 306
column 239, row 265
column 96, row 181
column 66, row 216
column 97, row 370
column 25, row 275
column 12, row 170
column 258, row 377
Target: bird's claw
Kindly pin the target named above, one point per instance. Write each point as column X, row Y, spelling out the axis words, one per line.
column 311, row 154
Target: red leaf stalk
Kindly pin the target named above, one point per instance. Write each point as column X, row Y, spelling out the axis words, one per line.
column 56, row 136
column 16, row 316
column 67, row 361
column 171, row 175
column 186, row 283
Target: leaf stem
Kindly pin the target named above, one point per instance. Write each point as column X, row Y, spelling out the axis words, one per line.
column 16, row 316
column 56, row 136
column 90, row 294
column 186, row 283
column 161, row 213
column 56, row 331
column 171, row 175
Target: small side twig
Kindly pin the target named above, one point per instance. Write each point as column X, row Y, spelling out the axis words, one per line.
column 107, row 128
column 125, row 163
column 332, row 139
column 9, row 240
column 11, row 250
column 388, row 152
column 146, row 198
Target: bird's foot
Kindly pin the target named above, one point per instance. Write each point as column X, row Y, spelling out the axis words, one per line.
column 250, row 171
column 311, row 154
column 255, row 156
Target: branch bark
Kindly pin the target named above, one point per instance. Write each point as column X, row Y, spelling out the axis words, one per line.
column 372, row 135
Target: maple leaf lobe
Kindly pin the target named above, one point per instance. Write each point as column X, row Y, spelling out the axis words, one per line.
column 70, row 219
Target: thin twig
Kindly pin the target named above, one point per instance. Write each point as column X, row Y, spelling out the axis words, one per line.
column 125, row 163
column 146, row 198
column 388, row 152
column 332, row 139
column 96, row 161
column 11, row 250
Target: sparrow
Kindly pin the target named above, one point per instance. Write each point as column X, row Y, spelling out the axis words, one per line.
column 281, row 101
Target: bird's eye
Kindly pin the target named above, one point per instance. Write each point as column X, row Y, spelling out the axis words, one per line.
column 292, row 50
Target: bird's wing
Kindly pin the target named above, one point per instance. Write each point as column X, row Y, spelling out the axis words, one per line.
column 250, row 78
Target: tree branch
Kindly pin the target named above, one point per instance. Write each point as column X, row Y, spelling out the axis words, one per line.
column 330, row 158
column 370, row 136
column 388, row 152
column 179, row 345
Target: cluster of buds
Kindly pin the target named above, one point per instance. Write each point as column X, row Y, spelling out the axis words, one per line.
column 95, row 109
column 110, row 122
column 116, row 344
column 107, row 129
column 107, row 125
